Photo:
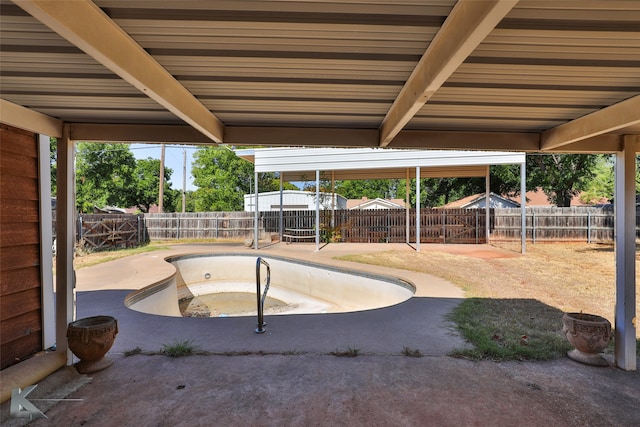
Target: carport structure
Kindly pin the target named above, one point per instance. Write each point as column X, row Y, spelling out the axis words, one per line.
column 295, row 164
column 525, row 76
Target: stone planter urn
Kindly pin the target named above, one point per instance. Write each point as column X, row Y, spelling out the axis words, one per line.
column 589, row 334
column 90, row 339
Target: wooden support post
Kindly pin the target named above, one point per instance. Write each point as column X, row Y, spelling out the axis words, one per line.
column 46, row 237
column 408, row 206
column 317, row 210
column 487, row 204
column 523, row 207
column 280, row 217
column 625, row 241
column 418, row 209
column 65, row 212
column 256, row 214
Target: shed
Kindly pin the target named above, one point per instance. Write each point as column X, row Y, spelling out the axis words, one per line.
column 293, row 200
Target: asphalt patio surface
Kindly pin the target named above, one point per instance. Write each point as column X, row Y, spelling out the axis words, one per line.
column 288, row 376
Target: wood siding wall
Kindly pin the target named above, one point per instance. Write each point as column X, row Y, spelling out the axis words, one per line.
column 20, row 281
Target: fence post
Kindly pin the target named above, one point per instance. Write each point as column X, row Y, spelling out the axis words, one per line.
column 476, row 226
column 444, row 227
column 216, row 226
column 588, row 226
column 533, row 226
column 177, row 227
column 80, row 228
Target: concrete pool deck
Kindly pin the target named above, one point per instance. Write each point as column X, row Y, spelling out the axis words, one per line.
column 288, row 377
column 101, row 290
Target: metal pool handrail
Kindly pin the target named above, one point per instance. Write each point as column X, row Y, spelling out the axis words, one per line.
column 261, row 298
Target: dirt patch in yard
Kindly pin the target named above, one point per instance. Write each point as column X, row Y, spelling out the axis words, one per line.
column 571, row 277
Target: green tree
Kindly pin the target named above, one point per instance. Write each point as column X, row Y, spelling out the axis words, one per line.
column 370, row 188
column 223, row 178
column 148, row 183
column 172, row 200
column 190, row 199
column 505, row 179
column 105, row 175
column 561, row 176
column 601, row 186
column 440, row 191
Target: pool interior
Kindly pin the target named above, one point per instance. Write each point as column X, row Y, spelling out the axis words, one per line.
column 224, row 285
column 229, row 304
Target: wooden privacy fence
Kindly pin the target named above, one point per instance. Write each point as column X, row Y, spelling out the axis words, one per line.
column 586, row 224
column 108, row 231
column 386, row 225
column 437, row 225
column 200, row 225
column 103, row 231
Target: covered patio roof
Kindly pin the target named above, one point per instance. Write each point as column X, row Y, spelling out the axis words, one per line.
column 445, row 74
column 478, row 74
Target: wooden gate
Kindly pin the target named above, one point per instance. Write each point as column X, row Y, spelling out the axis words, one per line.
column 106, row 231
column 450, row 226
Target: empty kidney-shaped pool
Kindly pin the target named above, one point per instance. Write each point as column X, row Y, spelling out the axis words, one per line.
column 220, row 285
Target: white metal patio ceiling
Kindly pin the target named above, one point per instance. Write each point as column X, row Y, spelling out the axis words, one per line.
column 505, row 75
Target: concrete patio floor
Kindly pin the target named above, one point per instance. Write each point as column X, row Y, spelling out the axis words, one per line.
column 287, row 376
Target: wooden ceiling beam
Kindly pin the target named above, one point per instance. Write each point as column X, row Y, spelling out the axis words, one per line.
column 18, row 116
column 300, row 137
column 87, row 27
column 181, row 134
column 466, row 27
column 609, row 119
column 604, row 144
column 449, row 140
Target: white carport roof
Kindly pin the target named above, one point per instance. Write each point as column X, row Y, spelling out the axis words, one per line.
column 371, row 163
column 294, row 164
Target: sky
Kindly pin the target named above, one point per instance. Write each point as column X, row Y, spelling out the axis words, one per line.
column 173, row 157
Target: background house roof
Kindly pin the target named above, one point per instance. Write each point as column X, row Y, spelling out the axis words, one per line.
column 365, row 203
column 465, row 202
column 535, row 197
column 500, row 75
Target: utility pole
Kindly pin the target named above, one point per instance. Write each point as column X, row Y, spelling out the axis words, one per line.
column 184, row 180
column 161, row 191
